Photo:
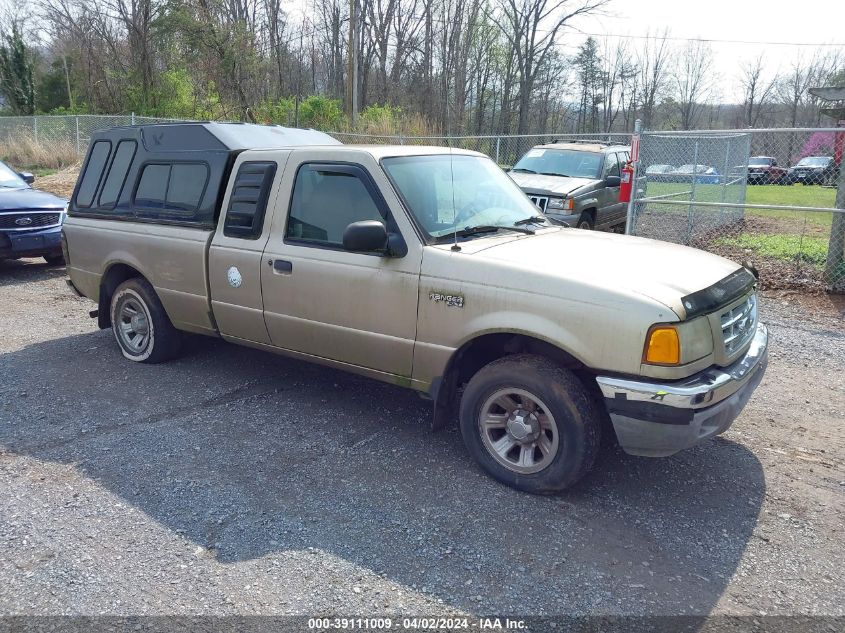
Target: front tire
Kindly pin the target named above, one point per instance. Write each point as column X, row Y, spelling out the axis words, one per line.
column 586, row 221
column 140, row 325
column 530, row 423
column 54, row 260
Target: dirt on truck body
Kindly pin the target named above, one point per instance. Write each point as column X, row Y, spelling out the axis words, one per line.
column 424, row 267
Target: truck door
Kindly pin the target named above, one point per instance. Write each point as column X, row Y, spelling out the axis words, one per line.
column 608, row 212
column 235, row 256
column 325, row 301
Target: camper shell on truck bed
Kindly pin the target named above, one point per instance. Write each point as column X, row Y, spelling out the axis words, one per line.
column 171, row 173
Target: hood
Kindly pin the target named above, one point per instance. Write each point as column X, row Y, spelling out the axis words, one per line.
column 662, row 271
column 29, row 200
column 538, row 183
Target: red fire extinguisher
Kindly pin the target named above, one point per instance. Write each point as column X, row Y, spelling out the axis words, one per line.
column 627, row 183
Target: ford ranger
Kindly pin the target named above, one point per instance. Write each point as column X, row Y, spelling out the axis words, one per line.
column 420, row 266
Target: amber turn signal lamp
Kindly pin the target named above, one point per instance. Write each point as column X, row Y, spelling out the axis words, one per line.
column 662, row 346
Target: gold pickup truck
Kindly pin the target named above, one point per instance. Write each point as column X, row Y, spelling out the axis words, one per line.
column 421, row 266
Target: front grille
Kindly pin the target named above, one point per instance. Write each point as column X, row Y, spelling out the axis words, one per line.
column 539, row 201
column 739, row 324
column 21, row 221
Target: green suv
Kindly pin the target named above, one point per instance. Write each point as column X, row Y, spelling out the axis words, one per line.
column 575, row 182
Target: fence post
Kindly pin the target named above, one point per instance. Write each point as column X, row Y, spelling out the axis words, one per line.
column 692, row 193
column 498, row 143
column 133, row 118
column 635, row 161
column 836, row 245
column 77, row 135
column 35, row 129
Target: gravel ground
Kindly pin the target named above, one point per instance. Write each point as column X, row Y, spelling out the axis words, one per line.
column 233, row 481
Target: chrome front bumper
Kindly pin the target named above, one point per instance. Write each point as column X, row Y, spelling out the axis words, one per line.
column 656, row 419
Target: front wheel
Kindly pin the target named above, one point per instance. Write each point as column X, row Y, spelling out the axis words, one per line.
column 585, row 221
column 141, row 326
column 530, row 423
column 55, row 260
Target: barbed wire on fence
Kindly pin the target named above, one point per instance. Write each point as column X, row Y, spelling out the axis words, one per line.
column 766, row 196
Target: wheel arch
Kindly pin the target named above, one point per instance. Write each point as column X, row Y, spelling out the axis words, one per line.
column 115, row 274
column 483, row 349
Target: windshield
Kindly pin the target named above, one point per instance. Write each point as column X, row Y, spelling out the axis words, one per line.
column 450, row 193
column 814, row 161
column 760, row 162
column 9, row 178
column 561, row 162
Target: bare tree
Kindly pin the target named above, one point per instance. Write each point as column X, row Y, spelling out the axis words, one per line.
column 694, row 81
column 757, row 89
column 653, row 62
column 531, row 27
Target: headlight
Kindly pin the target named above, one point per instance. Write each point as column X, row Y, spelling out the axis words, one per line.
column 678, row 343
column 560, row 204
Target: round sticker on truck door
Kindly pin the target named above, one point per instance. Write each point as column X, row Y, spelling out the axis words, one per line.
column 234, row 277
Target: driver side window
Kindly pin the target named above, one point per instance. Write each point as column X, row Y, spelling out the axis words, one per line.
column 326, row 199
column 611, row 166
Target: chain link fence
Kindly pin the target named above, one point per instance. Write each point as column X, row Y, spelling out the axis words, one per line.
column 504, row 149
column 768, row 197
column 70, row 130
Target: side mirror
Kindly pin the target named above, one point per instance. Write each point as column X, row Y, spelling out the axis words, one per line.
column 28, row 178
column 366, row 236
column 612, row 181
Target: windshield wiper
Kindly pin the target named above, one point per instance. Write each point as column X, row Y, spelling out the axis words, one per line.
column 550, row 173
column 534, row 219
column 527, row 171
column 481, row 229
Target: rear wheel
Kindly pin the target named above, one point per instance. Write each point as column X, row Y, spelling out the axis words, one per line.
column 530, row 423
column 141, row 326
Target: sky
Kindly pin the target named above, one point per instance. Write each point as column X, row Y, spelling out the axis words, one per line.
column 801, row 22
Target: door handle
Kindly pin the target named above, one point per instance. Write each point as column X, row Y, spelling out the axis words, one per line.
column 282, row 266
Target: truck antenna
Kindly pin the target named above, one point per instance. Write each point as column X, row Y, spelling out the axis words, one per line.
column 455, row 246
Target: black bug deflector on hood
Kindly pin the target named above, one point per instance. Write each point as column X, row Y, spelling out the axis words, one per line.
column 723, row 291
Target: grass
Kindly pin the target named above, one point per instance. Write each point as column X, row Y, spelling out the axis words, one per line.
column 791, row 195
column 25, row 154
column 40, row 172
column 809, row 249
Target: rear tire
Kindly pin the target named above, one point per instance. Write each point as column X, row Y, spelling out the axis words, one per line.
column 140, row 325
column 530, row 423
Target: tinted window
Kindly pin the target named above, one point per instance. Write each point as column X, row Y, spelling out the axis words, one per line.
column 93, row 170
column 611, row 166
column 325, row 202
column 117, row 173
column 152, row 187
column 187, row 183
column 174, row 191
column 248, row 202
